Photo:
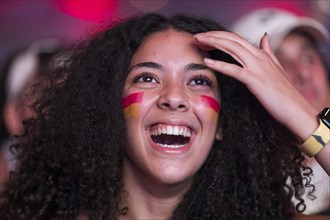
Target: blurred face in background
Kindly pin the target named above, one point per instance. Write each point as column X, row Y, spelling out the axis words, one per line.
column 21, row 108
column 305, row 68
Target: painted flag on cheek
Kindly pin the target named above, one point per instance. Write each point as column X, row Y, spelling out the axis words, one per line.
column 131, row 104
column 212, row 107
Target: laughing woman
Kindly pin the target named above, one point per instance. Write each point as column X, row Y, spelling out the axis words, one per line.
column 150, row 119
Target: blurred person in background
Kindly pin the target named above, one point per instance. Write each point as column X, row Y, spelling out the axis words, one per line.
column 18, row 77
column 301, row 45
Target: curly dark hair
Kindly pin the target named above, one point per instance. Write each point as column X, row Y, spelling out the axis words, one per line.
column 71, row 154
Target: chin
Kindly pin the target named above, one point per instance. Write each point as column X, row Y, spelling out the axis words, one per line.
column 174, row 175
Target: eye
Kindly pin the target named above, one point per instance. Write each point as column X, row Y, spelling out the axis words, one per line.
column 200, row 80
column 145, row 78
column 307, row 59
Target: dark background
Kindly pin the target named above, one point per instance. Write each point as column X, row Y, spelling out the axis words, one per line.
column 24, row 21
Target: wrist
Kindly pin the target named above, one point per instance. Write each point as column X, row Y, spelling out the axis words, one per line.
column 320, row 137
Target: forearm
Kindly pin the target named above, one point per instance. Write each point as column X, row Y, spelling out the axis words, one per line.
column 323, row 158
column 311, row 217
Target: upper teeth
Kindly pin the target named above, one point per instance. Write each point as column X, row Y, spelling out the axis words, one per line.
column 172, row 130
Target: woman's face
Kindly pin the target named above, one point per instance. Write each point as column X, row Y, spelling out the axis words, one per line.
column 171, row 105
column 305, row 69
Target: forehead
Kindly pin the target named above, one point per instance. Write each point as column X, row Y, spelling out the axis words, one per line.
column 171, row 44
column 298, row 41
column 168, row 35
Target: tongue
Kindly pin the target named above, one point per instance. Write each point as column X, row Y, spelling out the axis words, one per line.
column 170, row 139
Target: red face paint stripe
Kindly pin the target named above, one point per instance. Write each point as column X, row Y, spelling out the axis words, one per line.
column 211, row 102
column 133, row 98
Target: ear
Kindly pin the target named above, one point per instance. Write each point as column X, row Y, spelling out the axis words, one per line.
column 218, row 134
column 12, row 119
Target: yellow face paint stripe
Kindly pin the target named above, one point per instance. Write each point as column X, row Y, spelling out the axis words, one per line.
column 131, row 104
column 213, row 115
column 213, row 107
column 132, row 110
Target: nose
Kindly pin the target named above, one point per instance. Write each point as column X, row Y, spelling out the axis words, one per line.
column 173, row 98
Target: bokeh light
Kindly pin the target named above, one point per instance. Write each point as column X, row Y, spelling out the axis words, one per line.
column 93, row 10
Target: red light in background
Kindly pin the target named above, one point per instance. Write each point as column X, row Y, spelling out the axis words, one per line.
column 94, row 10
column 297, row 7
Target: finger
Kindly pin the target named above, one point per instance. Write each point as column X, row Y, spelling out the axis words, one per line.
column 235, row 49
column 203, row 46
column 234, row 37
column 265, row 45
column 229, row 69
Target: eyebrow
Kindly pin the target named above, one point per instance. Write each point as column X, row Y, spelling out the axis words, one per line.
column 195, row 66
column 153, row 65
column 306, row 46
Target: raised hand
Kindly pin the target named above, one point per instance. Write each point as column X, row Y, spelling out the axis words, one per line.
column 266, row 79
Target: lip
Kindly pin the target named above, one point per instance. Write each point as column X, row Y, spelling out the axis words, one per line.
column 171, row 151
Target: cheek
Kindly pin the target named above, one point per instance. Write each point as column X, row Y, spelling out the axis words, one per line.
column 211, row 106
column 320, row 74
column 132, row 105
column 132, row 111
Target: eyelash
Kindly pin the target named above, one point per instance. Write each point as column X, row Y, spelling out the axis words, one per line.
column 140, row 77
column 204, row 78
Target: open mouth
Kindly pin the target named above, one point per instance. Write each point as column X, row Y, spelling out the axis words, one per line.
column 170, row 136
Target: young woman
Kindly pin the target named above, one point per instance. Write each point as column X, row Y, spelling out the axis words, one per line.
column 148, row 120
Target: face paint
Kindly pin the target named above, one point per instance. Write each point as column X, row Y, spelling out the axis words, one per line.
column 131, row 104
column 213, row 107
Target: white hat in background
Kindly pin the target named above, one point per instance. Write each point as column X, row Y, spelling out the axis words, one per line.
column 278, row 23
column 25, row 64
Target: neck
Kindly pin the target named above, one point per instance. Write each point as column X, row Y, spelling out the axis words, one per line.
column 148, row 199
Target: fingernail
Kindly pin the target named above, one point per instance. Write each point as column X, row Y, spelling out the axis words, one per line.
column 266, row 35
column 209, row 61
column 200, row 36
